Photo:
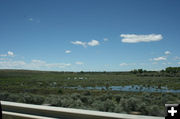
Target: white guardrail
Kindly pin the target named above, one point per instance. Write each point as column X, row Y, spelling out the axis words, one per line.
column 31, row 111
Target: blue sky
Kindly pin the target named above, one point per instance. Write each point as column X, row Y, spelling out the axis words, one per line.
column 89, row 35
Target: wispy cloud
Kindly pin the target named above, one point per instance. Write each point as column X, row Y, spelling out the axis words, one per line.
column 106, row 39
column 107, row 65
column 3, row 59
column 134, row 38
column 167, row 52
column 9, row 53
column 67, row 51
column 79, row 63
column 85, row 44
column 40, row 63
column 159, row 58
column 34, row 64
column 12, row 64
column 166, row 63
column 123, row 64
column 178, row 62
column 3, row 55
column 58, row 65
column 176, row 58
column 31, row 19
column 128, row 64
column 154, row 63
column 79, row 43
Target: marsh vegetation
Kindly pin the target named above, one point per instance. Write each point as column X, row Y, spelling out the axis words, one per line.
column 45, row 87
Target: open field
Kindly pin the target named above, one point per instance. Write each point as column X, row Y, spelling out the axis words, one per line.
column 55, row 88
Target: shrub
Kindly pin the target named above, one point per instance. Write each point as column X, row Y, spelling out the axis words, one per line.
column 119, row 109
column 53, row 100
column 142, row 107
column 86, row 93
column 31, row 99
column 84, row 99
column 130, row 104
column 104, row 97
column 76, row 104
column 60, row 91
column 67, row 102
column 4, row 96
column 109, row 106
column 75, row 96
column 118, row 98
column 98, row 105
column 13, row 97
column 90, row 100
column 154, row 110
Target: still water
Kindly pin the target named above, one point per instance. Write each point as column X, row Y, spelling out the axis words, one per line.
column 131, row 88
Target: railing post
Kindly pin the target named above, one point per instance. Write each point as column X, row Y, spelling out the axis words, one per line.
column 0, row 111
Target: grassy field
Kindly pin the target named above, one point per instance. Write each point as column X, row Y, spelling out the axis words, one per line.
column 45, row 87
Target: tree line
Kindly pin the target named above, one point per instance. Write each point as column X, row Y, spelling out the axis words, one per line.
column 167, row 70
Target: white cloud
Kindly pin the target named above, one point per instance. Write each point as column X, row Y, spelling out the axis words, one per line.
column 58, row 65
column 133, row 64
column 106, row 39
column 159, row 58
column 10, row 53
column 31, row 19
column 79, row 43
column 167, row 53
column 176, row 58
column 154, row 63
column 3, row 59
column 67, row 51
column 164, row 63
column 178, row 62
column 34, row 64
column 133, row 38
column 38, row 61
column 107, row 65
column 3, row 55
column 79, row 63
column 84, row 44
column 128, row 64
column 93, row 43
column 143, row 64
column 123, row 64
column 150, row 59
column 12, row 64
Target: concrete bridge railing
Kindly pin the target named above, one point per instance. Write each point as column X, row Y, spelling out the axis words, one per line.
column 31, row 111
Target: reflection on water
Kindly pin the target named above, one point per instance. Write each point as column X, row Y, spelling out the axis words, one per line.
column 132, row 88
